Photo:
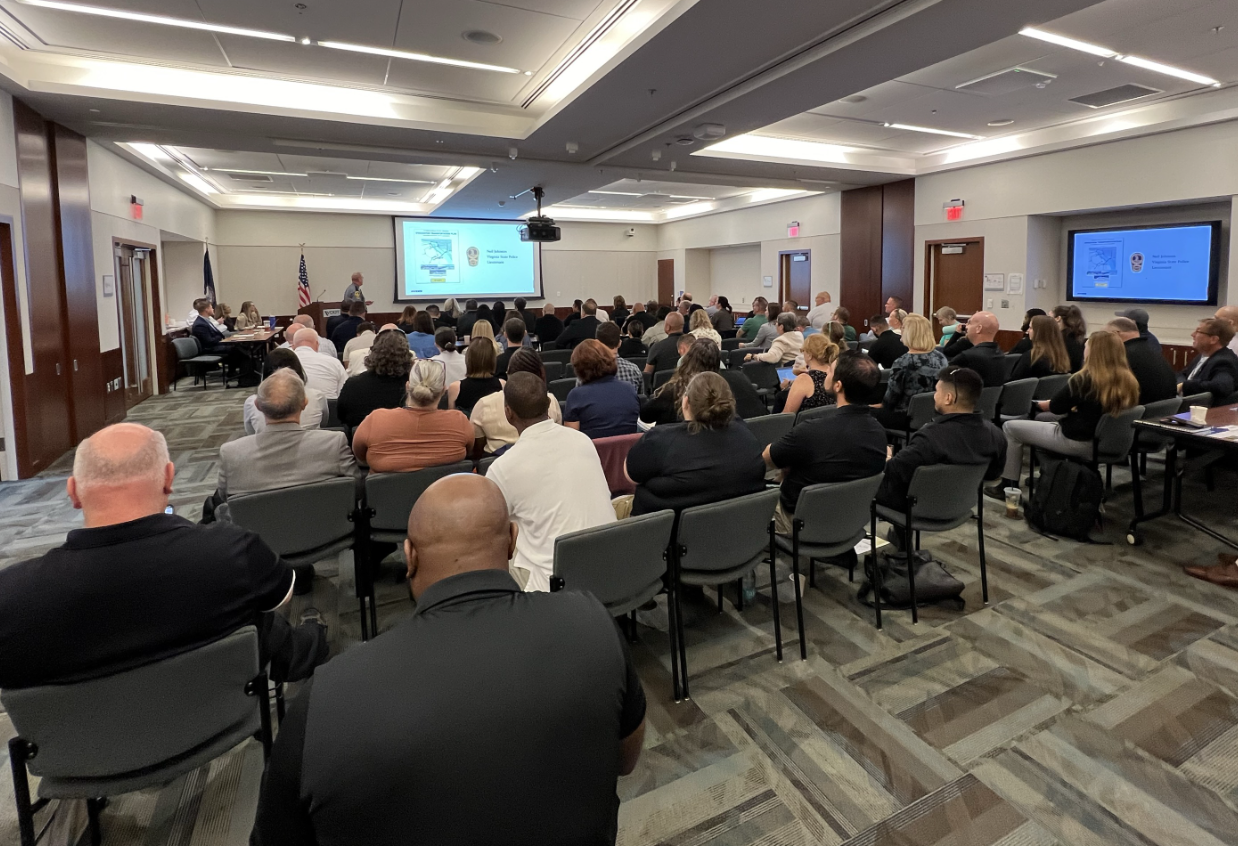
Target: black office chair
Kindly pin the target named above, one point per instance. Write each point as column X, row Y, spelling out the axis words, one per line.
column 765, row 377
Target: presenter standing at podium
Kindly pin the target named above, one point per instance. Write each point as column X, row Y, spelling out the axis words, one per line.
column 352, row 294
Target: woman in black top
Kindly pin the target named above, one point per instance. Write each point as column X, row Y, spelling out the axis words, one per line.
column 631, row 344
column 479, row 380
column 1025, row 343
column 1105, row 385
column 1047, row 355
column 1074, row 332
column 405, row 323
column 384, row 382
column 498, row 317
column 619, row 311
column 709, row 457
column 665, row 403
column 723, row 319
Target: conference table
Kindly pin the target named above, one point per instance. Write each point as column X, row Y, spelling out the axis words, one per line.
column 1202, row 447
column 254, row 344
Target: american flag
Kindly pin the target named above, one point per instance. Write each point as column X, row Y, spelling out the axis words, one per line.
column 303, row 288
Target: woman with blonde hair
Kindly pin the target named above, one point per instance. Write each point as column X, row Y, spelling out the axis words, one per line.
column 1105, row 385
column 914, row 372
column 1047, row 355
column 249, row 318
column 702, row 327
column 483, row 329
column 810, row 388
column 420, row 435
column 450, row 310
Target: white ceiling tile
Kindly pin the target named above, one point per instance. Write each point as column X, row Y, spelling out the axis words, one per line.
column 304, row 62
column 228, row 158
column 1098, row 23
column 878, row 97
column 529, row 38
column 458, row 82
column 394, row 170
column 992, row 58
column 576, row 9
column 361, row 21
column 1183, row 36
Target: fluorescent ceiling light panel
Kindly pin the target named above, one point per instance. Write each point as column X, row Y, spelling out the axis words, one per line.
column 387, row 179
column 468, row 172
column 151, row 151
column 1168, row 70
column 907, row 127
column 574, row 213
column 1073, row 44
column 620, row 193
column 445, row 185
column 686, row 197
column 199, row 183
column 158, row 19
column 414, row 57
column 769, row 147
column 685, row 211
column 253, row 172
column 773, row 194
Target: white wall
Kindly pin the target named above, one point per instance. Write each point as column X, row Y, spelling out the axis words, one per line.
column 735, row 272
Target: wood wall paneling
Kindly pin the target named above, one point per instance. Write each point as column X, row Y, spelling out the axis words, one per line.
column 78, row 273
column 860, row 254
column 898, row 238
column 112, row 367
column 47, row 410
column 17, row 355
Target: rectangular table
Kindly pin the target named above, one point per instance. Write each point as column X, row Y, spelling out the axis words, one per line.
column 1204, row 447
column 254, row 344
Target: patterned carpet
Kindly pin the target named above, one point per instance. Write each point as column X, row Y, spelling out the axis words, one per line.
column 1095, row 702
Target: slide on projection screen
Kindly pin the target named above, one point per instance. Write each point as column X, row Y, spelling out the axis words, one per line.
column 1155, row 264
column 438, row 258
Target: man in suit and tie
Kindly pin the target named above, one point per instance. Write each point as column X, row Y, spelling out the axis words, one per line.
column 583, row 329
column 1215, row 369
column 204, row 329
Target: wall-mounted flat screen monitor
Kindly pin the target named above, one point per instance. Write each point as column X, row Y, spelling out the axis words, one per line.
column 437, row 258
column 1173, row 264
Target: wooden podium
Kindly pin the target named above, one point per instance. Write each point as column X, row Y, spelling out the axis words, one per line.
column 319, row 312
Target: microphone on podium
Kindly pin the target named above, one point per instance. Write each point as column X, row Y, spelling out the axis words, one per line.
column 318, row 299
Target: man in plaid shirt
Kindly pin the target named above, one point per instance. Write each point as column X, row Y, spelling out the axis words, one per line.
column 609, row 334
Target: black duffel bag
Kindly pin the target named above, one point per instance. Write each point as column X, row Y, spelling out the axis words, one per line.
column 933, row 581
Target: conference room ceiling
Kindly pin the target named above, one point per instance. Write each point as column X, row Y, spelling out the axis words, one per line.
column 578, row 95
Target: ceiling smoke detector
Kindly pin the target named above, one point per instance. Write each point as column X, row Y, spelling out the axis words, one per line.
column 855, row 98
column 709, row 132
column 1001, row 122
column 480, row 36
column 685, row 141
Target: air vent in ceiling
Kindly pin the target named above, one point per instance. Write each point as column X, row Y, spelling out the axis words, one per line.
column 1110, row 96
column 249, row 177
column 1006, row 82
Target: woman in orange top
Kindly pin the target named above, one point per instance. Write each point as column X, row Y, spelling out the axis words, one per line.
column 401, row 440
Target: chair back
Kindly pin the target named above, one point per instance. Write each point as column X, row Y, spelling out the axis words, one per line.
column 298, row 520
column 728, row 334
column 1016, row 400
column 561, row 356
column 1204, row 399
column 621, row 563
column 484, row 464
column 639, row 360
column 852, row 345
column 731, row 343
column 1116, row 434
column 883, row 376
column 945, row 491
column 1047, row 387
column 868, row 344
column 333, row 414
column 391, row 496
column 186, row 348
column 613, row 453
column 989, row 399
column 763, row 374
column 144, row 721
column 661, row 378
column 814, row 413
column 560, row 388
column 770, row 427
column 734, row 358
column 1162, row 408
column 1010, row 360
column 569, row 372
column 554, row 370
column 921, row 410
column 836, row 512
column 724, row 535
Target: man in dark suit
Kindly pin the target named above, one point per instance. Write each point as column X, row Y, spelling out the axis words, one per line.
column 530, row 319
column 204, row 329
column 960, row 436
column 649, row 316
column 1156, row 378
column 983, row 356
column 1215, row 369
column 549, row 327
column 888, row 346
column 346, row 329
column 464, row 325
column 582, row 329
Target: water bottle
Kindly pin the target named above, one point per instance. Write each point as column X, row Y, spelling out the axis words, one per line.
column 750, row 587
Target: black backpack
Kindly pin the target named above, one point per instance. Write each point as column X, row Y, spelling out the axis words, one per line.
column 1067, row 499
column 934, row 583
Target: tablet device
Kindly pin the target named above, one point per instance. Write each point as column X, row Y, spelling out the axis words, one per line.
column 739, row 321
column 785, row 373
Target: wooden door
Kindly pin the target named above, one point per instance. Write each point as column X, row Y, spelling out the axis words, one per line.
column 954, row 277
column 795, row 277
column 666, row 282
column 17, row 356
column 132, row 302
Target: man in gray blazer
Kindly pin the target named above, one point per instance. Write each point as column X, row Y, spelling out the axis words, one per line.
column 283, row 454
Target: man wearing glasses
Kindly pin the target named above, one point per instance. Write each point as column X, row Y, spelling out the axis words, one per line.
column 1215, row 369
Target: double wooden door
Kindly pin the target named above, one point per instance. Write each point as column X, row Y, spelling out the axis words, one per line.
column 133, row 289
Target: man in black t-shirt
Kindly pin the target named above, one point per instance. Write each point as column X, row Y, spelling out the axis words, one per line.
column 664, row 355
column 1156, row 378
column 583, row 329
column 492, row 729
column 137, row 585
column 983, row 356
column 548, row 327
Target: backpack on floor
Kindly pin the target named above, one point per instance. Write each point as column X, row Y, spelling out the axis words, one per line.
column 933, row 581
column 1067, row 499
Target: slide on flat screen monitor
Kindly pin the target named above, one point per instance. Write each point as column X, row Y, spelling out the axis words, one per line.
column 1154, row 264
column 438, row 258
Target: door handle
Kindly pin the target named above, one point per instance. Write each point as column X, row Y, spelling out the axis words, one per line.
column 58, row 368
column 75, row 365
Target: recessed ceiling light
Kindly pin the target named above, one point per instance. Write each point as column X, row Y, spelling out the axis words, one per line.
column 907, row 127
column 306, row 41
column 414, row 57
column 1001, row 122
column 253, row 172
column 199, row 183
column 386, row 179
column 771, row 147
column 94, row 111
column 151, row 151
column 157, row 19
column 468, row 172
column 687, row 197
column 480, row 36
column 1169, row 70
column 1063, row 41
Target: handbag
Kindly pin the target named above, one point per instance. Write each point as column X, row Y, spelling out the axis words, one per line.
column 934, row 583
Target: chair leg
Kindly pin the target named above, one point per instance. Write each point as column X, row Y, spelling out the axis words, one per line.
column 911, row 566
column 1137, row 485
column 93, row 807
column 1031, row 473
column 984, row 569
column 795, row 580
column 683, row 648
column 719, row 599
column 632, row 626
column 872, row 561
column 19, row 751
column 672, row 603
column 263, row 693
column 365, row 628
column 1109, row 478
column 739, row 594
column 373, row 613
column 279, row 702
column 773, row 588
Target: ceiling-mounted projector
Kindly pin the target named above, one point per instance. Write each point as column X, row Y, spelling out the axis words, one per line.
column 539, row 228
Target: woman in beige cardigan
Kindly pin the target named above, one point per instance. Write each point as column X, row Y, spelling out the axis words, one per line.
column 786, row 346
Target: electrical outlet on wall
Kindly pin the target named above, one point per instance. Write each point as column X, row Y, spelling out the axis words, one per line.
column 989, row 303
column 1005, row 303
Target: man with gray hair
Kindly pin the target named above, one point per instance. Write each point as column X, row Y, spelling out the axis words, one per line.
column 304, row 320
column 137, row 585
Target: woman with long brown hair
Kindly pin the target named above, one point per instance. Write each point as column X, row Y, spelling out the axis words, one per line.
column 406, row 319
column 479, row 380
column 1105, row 385
column 1074, row 332
column 248, row 318
column 1047, row 355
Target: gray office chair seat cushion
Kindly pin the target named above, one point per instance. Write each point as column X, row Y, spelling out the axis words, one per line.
column 53, row 787
column 635, row 601
column 203, row 359
column 721, row 577
column 919, row 524
column 816, row 550
column 322, row 553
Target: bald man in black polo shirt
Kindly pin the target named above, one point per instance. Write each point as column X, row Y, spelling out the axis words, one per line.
column 491, row 716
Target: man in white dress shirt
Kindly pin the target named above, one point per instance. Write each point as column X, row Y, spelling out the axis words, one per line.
column 325, row 373
column 551, row 478
column 820, row 314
